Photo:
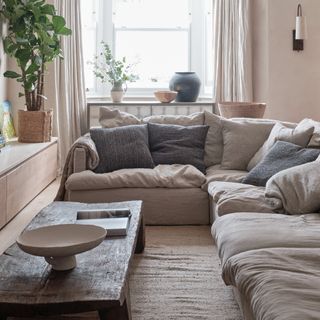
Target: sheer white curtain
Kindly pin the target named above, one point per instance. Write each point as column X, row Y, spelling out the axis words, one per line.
column 70, row 101
column 232, row 52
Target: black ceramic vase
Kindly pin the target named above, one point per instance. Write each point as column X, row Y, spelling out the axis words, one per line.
column 187, row 84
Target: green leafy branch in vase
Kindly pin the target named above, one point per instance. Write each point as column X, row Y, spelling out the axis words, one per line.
column 109, row 69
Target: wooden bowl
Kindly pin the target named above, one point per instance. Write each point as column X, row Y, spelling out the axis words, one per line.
column 59, row 244
column 165, row 96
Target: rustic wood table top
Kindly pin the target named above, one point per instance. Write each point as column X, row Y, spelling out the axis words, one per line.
column 29, row 287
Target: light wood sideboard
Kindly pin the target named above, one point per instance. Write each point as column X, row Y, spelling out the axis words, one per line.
column 25, row 170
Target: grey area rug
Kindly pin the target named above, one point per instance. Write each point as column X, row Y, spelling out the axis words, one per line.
column 177, row 277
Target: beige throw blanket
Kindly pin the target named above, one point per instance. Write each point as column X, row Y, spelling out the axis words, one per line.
column 92, row 161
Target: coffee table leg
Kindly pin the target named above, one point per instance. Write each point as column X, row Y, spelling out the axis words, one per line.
column 118, row 313
column 141, row 238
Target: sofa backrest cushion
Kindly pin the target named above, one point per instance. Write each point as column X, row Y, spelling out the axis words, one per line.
column 300, row 135
column 195, row 119
column 122, row 148
column 282, row 155
column 241, row 140
column 109, row 118
column 173, row 144
column 214, row 143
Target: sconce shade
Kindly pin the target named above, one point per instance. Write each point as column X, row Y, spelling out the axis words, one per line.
column 301, row 28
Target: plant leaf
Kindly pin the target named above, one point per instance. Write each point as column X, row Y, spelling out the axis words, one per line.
column 12, row 74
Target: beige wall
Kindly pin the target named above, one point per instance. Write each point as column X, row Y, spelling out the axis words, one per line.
column 287, row 80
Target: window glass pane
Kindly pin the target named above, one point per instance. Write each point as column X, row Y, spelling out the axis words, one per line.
column 89, row 11
column 151, row 13
column 158, row 53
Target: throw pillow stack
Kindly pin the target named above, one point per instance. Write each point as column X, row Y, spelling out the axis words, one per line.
column 125, row 142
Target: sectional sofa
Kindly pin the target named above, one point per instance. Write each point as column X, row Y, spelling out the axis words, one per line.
column 268, row 237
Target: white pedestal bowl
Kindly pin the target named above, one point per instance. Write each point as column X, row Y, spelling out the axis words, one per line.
column 59, row 244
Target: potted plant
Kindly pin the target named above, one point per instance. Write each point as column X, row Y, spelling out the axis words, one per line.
column 33, row 41
column 116, row 72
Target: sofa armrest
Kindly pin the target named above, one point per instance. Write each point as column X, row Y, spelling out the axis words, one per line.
column 79, row 160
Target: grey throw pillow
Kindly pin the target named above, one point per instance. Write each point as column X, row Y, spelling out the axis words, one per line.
column 283, row 155
column 122, row 148
column 173, row 144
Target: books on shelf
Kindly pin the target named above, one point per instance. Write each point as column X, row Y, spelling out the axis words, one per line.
column 116, row 221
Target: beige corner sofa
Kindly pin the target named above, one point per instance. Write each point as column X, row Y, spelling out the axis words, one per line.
column 180, row 194
column 168, row 203
column 268, row 238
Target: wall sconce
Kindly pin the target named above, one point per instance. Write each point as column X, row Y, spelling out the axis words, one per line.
column 300, row 33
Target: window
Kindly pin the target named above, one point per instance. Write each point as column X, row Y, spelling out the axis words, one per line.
column 161, row 36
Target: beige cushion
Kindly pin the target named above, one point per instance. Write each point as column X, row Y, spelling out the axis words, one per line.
column 277, row 283
column 295, row 190
column 241, row 141
column 215, row 173
column 214, row 144
column 115, row 118
column 239, row 232
column 191, row 120
column 162, row 176
column 300, row 135
column 232, row 197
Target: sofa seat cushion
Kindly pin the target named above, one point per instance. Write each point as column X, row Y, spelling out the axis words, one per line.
column 215, row 173
column 230, row 197
column 162, row 176
column 240, row 232
column 277, row 283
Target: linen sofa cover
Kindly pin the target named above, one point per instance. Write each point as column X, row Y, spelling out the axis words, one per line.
column 229, row 197
column 161, row 206
column 277, row 283
column 241, row 232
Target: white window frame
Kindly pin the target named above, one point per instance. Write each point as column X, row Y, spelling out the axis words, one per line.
column 199, row 13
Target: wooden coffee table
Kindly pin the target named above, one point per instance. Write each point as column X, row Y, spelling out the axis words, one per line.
column 100, row 282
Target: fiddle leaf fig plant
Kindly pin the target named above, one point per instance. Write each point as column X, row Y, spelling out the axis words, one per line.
column 33, row 40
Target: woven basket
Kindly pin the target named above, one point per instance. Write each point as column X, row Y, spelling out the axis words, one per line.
column 242, row 109
column 34, row 126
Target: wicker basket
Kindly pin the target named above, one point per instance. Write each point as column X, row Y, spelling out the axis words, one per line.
column 242, row 109
column 34, row 126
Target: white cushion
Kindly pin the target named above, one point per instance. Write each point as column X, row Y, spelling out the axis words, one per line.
column 295, row 190
column 115, row 118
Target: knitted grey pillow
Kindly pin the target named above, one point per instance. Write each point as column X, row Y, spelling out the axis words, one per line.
column 283, row 155
column 122, row 148
column 174, row 144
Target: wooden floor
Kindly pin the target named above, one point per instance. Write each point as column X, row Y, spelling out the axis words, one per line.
column 10, row 232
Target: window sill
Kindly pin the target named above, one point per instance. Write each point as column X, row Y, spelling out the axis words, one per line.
column 146, row 99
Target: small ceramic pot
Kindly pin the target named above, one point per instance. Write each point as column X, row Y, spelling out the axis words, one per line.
column 117, row 92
